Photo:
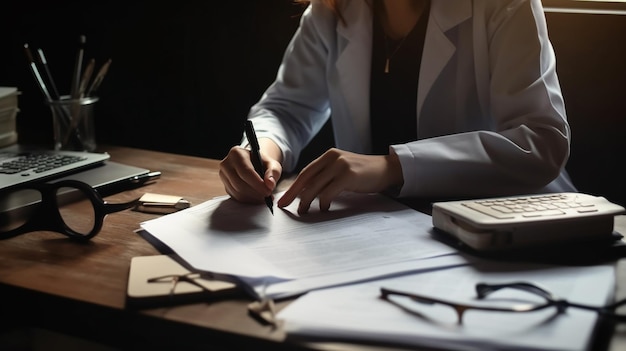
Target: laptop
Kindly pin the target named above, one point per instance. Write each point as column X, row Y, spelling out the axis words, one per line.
column 20, row 165
column 23, row 165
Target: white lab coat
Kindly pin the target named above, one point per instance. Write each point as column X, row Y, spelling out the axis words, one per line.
column 491, row 118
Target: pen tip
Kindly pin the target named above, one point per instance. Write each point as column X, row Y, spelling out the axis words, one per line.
column 270, row 204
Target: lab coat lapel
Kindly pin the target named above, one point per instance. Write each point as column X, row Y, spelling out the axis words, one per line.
column 354, row 58
column 438, row 49
column 353, row 66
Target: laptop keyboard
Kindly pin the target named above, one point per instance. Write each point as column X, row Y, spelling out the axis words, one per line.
column 20, row 165
column 37, row 162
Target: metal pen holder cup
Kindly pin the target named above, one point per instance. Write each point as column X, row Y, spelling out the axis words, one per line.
column 73, row 123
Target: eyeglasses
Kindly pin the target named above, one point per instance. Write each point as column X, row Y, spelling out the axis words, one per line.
column 175, row 278
column 483, row 290
column 264, row 309
column 52, row 207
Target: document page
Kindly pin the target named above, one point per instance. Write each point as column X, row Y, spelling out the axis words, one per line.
column 357, row 313
column 360, row 231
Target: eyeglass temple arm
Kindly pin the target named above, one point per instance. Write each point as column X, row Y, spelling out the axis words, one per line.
column 458, row 308
column 617, row 304
column 484, row 289
column 112, row 208
column 177, row 278
column 384, row 293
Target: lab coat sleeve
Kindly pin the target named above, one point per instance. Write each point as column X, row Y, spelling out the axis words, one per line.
column 529, row 144
column 295, row 107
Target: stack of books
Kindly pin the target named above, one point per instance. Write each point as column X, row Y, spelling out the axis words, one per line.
column 8, row 112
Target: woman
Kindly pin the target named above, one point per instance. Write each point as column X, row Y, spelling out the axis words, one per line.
column 440, row 98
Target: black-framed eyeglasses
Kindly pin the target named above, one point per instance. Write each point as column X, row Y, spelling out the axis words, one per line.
column 47, row 206
column 483, row 290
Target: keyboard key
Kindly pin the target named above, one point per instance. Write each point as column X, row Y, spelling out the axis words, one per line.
column 488, row 210
column 37, row 162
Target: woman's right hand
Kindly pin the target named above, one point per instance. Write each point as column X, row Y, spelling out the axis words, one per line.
column 240, row 179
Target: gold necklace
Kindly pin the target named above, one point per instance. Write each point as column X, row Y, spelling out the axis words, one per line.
column 389, row 57
column 421, row 5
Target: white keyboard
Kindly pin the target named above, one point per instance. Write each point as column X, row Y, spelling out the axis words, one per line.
column 522, row 221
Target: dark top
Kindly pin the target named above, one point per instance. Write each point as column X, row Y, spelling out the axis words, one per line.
column 393, row 95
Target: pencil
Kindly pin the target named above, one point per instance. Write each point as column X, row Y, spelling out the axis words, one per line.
column 77, row 68
column 85, row 78
column 99, row 77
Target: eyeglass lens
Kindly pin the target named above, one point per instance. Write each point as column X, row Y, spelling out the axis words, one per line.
column 23, row 205
column 71, row 201
column 447, row 311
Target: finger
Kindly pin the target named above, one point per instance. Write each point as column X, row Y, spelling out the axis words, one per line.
column 239, row 190
column 332, row 190
column 325, row 186
column 303, row 180
column 227, row 176
column 294, row 190
column 249, row 176
column 273, row 174
column 239, row 178
column 313, row 189
column 228, row 186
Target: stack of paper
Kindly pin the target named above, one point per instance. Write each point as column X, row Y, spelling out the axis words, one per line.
column 341, row 259
column 8, row 112
column 363, row 236
column 357, row 313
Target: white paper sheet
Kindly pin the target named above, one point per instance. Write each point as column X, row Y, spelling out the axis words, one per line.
column 357, row 239
column 356, row 312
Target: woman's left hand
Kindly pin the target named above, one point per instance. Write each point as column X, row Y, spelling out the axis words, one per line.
column 336, row 171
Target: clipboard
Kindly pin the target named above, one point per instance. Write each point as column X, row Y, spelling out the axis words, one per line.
column 152, row 282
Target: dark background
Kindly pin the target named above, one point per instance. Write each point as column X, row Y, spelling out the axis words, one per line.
column 185, row 73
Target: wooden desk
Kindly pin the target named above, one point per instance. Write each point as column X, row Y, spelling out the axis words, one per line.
column 49, row 282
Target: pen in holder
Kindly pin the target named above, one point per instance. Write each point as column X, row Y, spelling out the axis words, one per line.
column 72, row 115
column 73, row 123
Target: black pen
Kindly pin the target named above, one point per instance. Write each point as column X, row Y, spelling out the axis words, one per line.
column 256, row 159
column 128, row 183
column 36, row 74
column 53, row 88
column 144, row 178
column 55, row 96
